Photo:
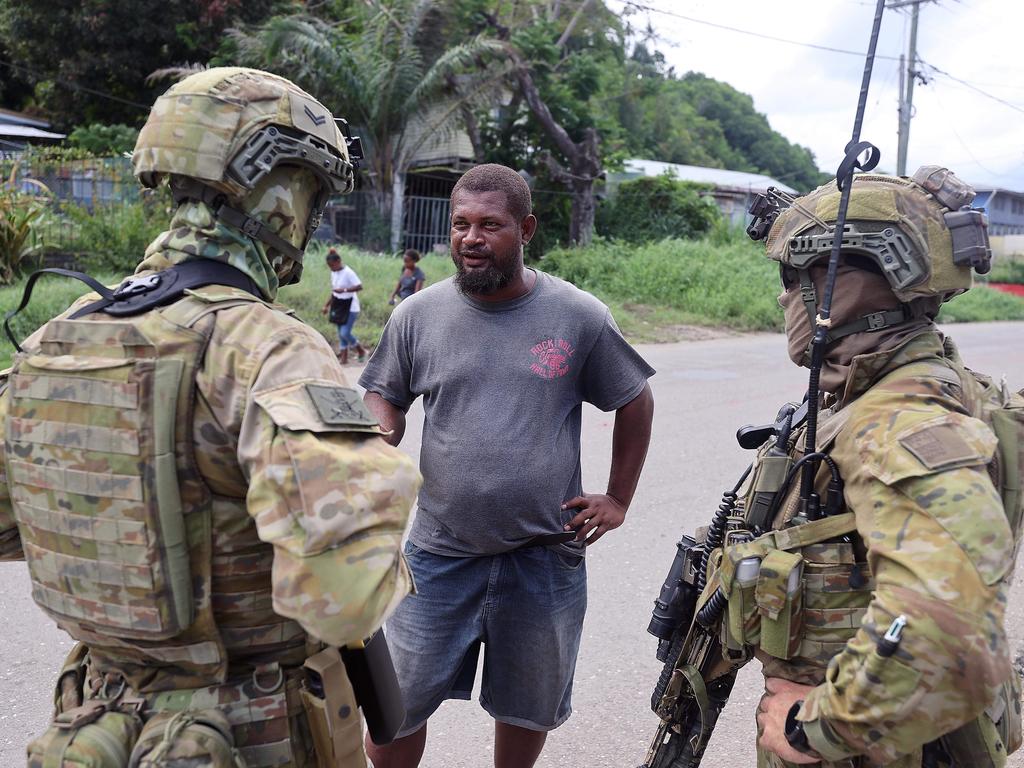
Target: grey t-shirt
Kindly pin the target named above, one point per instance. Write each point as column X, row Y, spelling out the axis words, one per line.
column 502, row 386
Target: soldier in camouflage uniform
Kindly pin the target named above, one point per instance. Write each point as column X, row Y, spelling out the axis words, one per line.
column 202, row 501
column 880, row 625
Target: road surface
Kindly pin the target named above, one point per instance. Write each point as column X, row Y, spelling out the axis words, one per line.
column 703, row 390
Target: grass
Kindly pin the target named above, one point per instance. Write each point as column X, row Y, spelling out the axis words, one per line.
column 651, row 289
column 378, row 273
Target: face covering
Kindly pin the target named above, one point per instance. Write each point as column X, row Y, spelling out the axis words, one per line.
column 858, row 292
column 282, row 200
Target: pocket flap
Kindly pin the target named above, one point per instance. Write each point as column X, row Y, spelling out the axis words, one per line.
column 779, row 577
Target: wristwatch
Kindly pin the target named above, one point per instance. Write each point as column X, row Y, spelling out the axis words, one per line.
column 794, row 730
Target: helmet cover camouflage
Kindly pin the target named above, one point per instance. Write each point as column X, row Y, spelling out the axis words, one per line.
column 902, row 224
column 212, row 125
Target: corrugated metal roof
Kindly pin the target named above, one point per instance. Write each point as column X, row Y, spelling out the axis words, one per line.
column 20, row 118
column 28, row 132
column 719, row 177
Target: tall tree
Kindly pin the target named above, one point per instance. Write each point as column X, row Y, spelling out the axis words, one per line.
column 564, row 54
column 380, row 78
column 87, row 61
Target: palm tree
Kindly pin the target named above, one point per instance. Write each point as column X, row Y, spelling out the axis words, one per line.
column 379, row 80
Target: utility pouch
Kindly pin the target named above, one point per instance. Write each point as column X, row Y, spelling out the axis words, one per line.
column 778, row 595
column 197, row 739
column 744, row 618
column 332, row 712
column 88, row 736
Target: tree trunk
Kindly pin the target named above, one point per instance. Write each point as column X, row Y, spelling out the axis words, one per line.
column 397, row 209
column 583, row 157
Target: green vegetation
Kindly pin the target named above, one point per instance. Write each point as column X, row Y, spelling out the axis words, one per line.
column 644, row 210
column 982, row 304
column 104, row 140
column 700, row 282
column 722, row 281
column 1007, row 272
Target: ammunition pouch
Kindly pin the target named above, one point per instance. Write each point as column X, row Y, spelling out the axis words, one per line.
column 766, row 583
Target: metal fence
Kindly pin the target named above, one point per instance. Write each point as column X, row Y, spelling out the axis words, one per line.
column 426, row 223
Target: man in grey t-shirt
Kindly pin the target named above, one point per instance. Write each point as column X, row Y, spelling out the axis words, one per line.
column 503, row 357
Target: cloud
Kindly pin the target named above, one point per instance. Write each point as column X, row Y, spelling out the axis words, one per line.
column 809, row 95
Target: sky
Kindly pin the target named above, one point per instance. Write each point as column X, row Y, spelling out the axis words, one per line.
column 810, row 95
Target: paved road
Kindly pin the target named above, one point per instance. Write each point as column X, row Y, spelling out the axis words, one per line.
column 704, row 390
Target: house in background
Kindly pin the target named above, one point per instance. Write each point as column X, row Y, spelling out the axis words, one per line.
column 18, row 129
column 1005, row 211
column 731, row 190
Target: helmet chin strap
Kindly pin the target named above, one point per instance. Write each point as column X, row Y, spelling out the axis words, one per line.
column 869, row 323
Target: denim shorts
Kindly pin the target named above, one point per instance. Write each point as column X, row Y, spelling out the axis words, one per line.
column 526, row 607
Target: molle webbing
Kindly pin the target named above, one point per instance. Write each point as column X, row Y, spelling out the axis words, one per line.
column 114, row 516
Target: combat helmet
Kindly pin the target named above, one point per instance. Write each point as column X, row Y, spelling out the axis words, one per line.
column 219, row 132
column 919, row 232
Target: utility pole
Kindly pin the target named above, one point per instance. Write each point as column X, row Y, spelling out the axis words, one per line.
column 908, row 74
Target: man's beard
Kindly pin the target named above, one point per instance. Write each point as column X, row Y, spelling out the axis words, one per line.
column 496, row 275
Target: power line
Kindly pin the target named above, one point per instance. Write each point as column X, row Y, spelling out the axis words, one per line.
column 643, row 7
column 973, row 87
column 75, row 86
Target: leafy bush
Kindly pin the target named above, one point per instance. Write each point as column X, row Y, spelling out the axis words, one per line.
column 20, row 211
column 648, row 209
column 104, row 140
column 114, row 238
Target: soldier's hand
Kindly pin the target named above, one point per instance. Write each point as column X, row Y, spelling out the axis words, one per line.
column 780, row 695
column 599, row 513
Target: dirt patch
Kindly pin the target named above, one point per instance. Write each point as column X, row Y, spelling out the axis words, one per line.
column 648, row 327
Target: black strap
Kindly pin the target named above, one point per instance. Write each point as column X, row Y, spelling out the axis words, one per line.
column 190, row 189
column 26, row 295
column 875, row 321
column 141, row 294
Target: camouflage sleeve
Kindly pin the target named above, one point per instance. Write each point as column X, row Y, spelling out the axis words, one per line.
column 940, row 548
column 325, row 490
column 10, row 539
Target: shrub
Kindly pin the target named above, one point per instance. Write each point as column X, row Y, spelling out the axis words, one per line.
column 114, row 238
column 648, row 209
column 103, row 140
column 20, row 211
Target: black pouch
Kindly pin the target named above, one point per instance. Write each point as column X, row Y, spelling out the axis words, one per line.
column 339, row 310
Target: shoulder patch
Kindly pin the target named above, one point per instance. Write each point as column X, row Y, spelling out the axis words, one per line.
column 340, row 406
column 939, row 446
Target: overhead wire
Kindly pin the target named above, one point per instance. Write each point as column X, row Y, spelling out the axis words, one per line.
column 74, row 86
column 674, row 14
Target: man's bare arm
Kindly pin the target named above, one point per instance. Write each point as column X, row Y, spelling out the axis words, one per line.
column 390, row 416
column 603, row 512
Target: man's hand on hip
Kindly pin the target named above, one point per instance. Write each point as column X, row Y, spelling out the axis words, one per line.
column 599, row 513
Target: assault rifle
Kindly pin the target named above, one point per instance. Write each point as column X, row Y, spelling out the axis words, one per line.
column 697, row 677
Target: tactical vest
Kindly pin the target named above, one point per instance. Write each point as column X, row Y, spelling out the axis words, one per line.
column 798, row 594
column 128, row 550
